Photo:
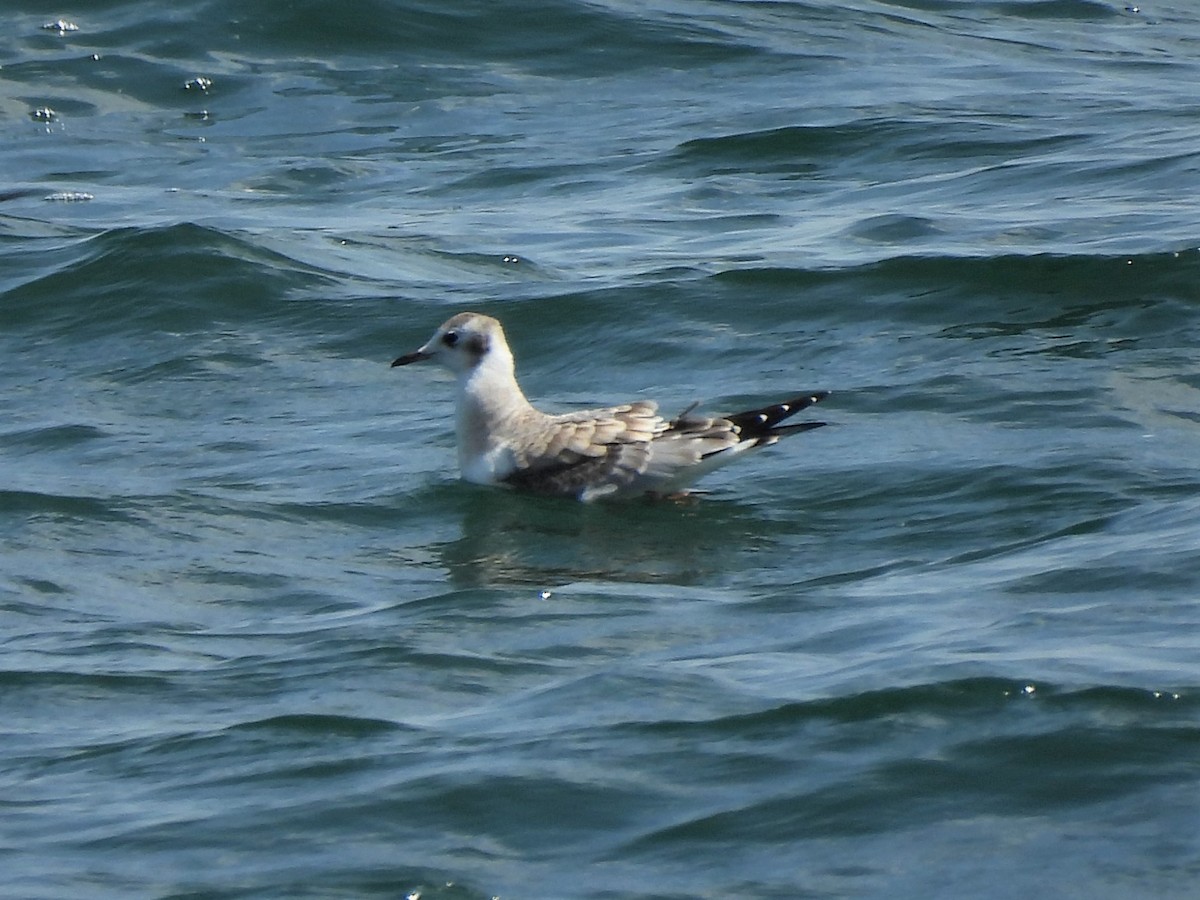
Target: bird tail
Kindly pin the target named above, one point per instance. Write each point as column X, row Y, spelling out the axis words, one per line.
column 763, row 424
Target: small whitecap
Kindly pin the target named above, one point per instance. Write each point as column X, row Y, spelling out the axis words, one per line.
column 43, row 114
column 199, row 83
column 70, row 197
column 62, row 26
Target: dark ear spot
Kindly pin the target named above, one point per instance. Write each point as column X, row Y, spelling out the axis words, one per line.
column 477, row 344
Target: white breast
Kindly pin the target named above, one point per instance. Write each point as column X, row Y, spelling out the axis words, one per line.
column 487, row 467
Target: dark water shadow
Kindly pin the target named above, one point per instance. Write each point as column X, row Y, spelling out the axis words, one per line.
column 516, row 539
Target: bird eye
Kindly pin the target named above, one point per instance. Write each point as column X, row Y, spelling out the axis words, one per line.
column 450, row 338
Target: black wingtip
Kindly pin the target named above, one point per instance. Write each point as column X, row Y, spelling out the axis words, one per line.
column 764, row 421
column 805, row 400
column 797, row 428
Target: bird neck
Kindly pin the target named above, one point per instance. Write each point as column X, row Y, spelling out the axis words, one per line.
column 489, row 394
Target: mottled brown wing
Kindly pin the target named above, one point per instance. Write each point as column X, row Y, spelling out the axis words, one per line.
column 590, row 452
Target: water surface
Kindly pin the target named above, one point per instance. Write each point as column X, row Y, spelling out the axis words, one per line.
column 258, row 641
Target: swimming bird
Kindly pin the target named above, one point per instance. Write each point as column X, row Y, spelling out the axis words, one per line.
column 619, row 451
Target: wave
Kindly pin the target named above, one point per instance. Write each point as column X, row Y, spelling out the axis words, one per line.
column 38, row 503
column 959, row 699
column 979, row 746
column 1153, row 292
column 803, row 149
column 201, row 278
column 196, row 276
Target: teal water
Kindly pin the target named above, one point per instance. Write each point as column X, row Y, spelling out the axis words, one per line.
column 257, row 640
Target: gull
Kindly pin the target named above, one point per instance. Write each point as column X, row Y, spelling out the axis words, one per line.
column 619, row 451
